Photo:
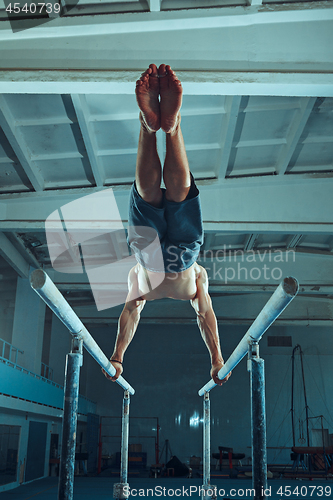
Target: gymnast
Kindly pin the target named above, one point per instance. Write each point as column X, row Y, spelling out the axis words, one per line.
column 174, row 212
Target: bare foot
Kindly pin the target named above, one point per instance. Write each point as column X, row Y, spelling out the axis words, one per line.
column 147, row 91
column 171, row 98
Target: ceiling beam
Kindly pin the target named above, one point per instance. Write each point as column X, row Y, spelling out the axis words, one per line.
column 154, row 5
column 217, row 39
column 234, row 199
column 231, row 226
column 208, row 241
column 30, row 257
column 179, row 19
column 250, row 242
column 13, row 257
column 194, row 82
column 254, row 2
column 324, row 322
column 19, row 145
column 228, row 308
column 294, row 240
column 330, row 244
column 268, row 267
column 296, row 129
column 312, row 270
column 89, row 137
column 215, row 289
column 320, row 169
column 160, row 147
column 232, row 105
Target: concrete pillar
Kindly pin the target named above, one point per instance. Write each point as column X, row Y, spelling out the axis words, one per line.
column 28, row 326
column 60, row 345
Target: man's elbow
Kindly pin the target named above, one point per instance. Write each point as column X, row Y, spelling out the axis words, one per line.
column 205, row 306
column 134, row 306
column 135, row 311
column 135, row 315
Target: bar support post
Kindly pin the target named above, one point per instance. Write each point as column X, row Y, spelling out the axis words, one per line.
column 74, row 361
column 124, row 438
column 258, row 421
column 208, row 491
column 206, row 440
column 99, row 467
column 157, row 444
column 121, row 490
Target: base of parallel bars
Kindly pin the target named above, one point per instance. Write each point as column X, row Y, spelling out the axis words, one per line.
column 121, row 490
column 208, row 492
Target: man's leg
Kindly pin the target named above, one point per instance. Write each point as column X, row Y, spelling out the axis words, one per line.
column 148, row 166
column 176, row 171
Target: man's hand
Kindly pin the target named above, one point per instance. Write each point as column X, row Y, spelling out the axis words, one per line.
column 214, row 371
column 119, row 371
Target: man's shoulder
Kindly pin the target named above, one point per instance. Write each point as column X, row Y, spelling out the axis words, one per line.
column 133, row 272
column 200, row 271
column 132, row 277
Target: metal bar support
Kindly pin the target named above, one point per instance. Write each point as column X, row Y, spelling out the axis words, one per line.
column 47, row 290
column 121, row 490
column 74, row 362
column 157, row 444
column 206, row 440
column 208, row 491
column 100, row 444
column 282, row 296
column 124, row 438
column 258, row 421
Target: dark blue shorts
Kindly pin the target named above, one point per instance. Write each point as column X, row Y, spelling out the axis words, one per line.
column 178, row 225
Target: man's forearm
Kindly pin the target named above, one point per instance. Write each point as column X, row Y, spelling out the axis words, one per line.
column 127, row 325
column 208, row 327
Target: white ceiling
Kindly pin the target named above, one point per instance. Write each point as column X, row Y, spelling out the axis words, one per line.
column 263, row 163
column 75, row 141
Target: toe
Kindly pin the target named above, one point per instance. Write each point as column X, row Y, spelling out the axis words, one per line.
column 170, row 71
column 163, row 81
column 145, row 80
column 154, row 71
column 174, row 81
column 162, row 70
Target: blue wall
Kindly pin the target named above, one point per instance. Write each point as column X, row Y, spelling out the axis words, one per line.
column 21, row 384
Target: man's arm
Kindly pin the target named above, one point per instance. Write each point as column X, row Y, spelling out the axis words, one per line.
column 202, row 304
column 127, row 324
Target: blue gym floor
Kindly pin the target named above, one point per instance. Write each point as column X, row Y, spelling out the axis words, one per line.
column 102, row 488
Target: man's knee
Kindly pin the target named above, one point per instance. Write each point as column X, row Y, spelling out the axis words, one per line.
column 153, row 196
column 176, row 194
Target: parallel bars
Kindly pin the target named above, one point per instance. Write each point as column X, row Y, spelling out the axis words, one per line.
column 283, row 295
